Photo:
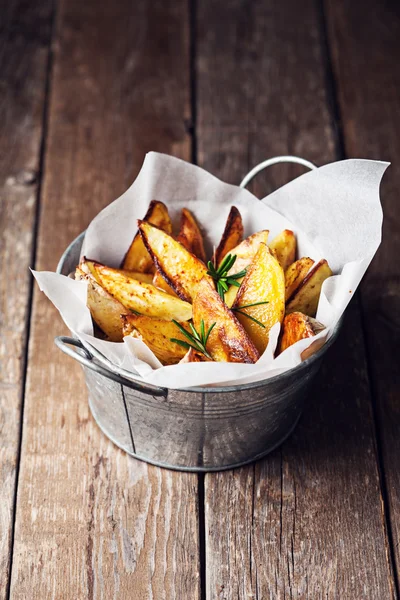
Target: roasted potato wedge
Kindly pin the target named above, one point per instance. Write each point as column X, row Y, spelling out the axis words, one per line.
column 231, row 237
column 297, row 326
column 137, row 258
column 157, row 334
column 106, row 311
column 306, row 296
column 264, row 282
column 284, row 247
column 160, row 283
column 228, row 341
column 190, row 235
column 179, row 267
column 245, row 253
column 137, row 296
column 295, row 273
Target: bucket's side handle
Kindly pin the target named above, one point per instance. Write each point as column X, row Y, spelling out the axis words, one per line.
column 64, row 343
column 273, row 161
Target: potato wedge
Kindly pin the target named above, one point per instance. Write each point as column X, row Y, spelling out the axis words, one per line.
column 264, row 282
column 305, row 298
column 284, row 245
column 106, row 311
column 161, row 284
column 245, row 253
column 180, row 268
column 295, row 273
column 190, row 235
column 228, row 341
column 137, row 258
column 246, row 250
column 137, row 296
column 297, row 326
column 157, row 334
column 231, row 237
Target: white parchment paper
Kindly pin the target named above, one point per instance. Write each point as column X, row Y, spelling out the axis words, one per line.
column 334, row 211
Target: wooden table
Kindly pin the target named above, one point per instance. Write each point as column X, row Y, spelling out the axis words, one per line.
column 86, row 89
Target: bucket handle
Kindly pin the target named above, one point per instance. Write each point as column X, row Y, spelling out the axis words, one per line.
column 86, row 359
column 273, row 161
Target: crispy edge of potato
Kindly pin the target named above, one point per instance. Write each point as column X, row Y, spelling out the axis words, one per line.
column 156, row 334
column 190, row 235
column 295, row 273
column 266, row 271
column 191, row 270
column 142, row 296
column 105, row 310
column 306, row 296
column 137, row 257
column 298, row 326
column 228, row 341
column 233, row 234
column 284, row 245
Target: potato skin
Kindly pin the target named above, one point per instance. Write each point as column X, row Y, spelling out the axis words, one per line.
column 264, row 282
column 295, row 273
column 297, row 326
column 179, row 267
column 231, row 237
column 228, row 341
column 190, row 235
column 306, row 296
column 137, row 257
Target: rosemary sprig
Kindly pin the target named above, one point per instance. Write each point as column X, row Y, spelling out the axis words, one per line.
column 239, row 309
column 221, row 277
column 198, row 341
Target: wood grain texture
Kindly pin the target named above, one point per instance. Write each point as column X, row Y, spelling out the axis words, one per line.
column 92, row 522
column 368, row 83
column 307, row 521
column 24, row 49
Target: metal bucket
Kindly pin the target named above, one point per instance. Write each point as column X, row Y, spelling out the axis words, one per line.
column 193, row 429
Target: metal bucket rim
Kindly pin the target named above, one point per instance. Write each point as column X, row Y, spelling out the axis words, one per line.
column 230, row 388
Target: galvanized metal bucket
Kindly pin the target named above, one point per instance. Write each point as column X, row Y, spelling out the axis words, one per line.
column 193, row 429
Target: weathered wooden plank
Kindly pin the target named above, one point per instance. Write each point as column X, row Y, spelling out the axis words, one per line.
column 307, row 521
column 24, row 50
column 92, row 522
column 365, row 53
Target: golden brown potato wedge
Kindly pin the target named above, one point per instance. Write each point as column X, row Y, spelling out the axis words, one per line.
column 228, row 341
column 245, row 253
column 297, row 326
column 140, row 297
column 157, row 334
column 305, row 298
column 231, row 237
column 106, row 311
column 87, row 266
column 179, row 267
column 159, row 282
column 190, row 235
column 264, row 282
column 137, row 258
column 284, row 246
column 295, row 273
